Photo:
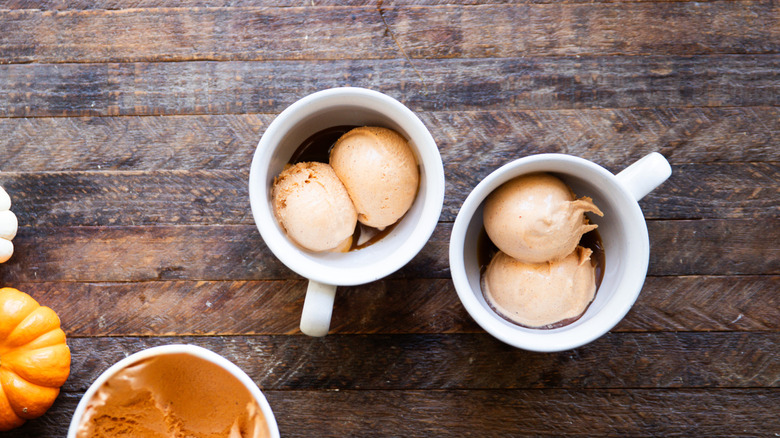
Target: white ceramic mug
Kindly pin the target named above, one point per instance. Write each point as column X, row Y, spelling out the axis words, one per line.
column 327, row 270
column 622, row 229
column 192, row 350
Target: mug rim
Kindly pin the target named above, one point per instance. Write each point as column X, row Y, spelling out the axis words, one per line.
column 557, row 339
column 163, row 350
column 300, row 260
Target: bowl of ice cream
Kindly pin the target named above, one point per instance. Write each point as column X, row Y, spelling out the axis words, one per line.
column 541, row 288
column 171, row 391
column 355, row 211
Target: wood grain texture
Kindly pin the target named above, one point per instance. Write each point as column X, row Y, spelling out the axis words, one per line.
column 715, row 247
column 399, row 306
column 476, row 139
column 194, row 34
column 111, row 5
column 688, row 303
column 370, row 362
column 717, row 191
column 565, row 29
column 178, row 88
column 479, row 413
column 132, row 143
column 252, row 307
column 537, row 413
column 610, row 137
column 306, row 33
column 220, row 197
column 132, row 198
column 142, row 254
column 237, row 252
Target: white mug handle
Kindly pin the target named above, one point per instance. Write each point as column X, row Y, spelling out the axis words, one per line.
column 317, row 308
column 645, row 174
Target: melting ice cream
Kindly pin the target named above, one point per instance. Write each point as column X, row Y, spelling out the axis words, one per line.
column 313, row 207
column 372, row 178
column 540, row 276
column 379, row 170
column 535, row 218
column 540, row 294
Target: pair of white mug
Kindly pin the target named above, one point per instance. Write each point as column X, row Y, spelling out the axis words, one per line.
column 622, row 229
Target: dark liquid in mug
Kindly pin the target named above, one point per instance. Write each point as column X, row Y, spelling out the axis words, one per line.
column 317, row 148
column 486, row 250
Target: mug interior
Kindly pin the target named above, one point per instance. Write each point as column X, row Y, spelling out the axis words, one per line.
column 624, row 236
column 357, row 107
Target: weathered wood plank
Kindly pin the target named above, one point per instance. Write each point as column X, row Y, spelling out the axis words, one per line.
column 136, row 143
column 468, row 361
column 479, row 413
column 237, row 252
column 712, row 191
column 131, row 198
column 717, row 191
column 485, row 139
column 585, row 29
column 177, row 88
column 610, row 137
column 714, row 247
column 250, row 307
column 182, row 34
column 84, row 5
column 706, row 303
column 537, row 413
column 229, row 34
column 743, row 303
column 142, row 253
column 550, row 413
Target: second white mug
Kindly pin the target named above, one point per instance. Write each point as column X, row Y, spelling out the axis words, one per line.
column 623, row 232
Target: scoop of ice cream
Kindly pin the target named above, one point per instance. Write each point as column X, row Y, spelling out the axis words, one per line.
column 535, row 218
column 173, row 395
column 380, row 172
column 313, row 207
column 540, row 294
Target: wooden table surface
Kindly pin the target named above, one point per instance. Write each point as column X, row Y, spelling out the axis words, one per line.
column 126, row 134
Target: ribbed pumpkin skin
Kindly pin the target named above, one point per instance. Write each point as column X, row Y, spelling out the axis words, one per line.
column 34, row 358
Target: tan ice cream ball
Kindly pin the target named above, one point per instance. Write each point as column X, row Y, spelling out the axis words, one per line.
column 380, row 172
column 540, row 294
column 313, row 207
column 535, row 218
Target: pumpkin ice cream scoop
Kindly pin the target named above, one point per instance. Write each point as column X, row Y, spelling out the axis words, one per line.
column 535, row 218
column 539, row 294
column 34, row 358
column 313, row 207
column 379, row 170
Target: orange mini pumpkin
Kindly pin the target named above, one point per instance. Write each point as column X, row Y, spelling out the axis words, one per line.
column 34, row 358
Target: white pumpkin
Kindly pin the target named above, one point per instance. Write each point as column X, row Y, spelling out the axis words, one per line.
column 8, row 227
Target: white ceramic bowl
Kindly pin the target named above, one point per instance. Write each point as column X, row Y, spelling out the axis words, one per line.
column 623, row 232
column 193, row 350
